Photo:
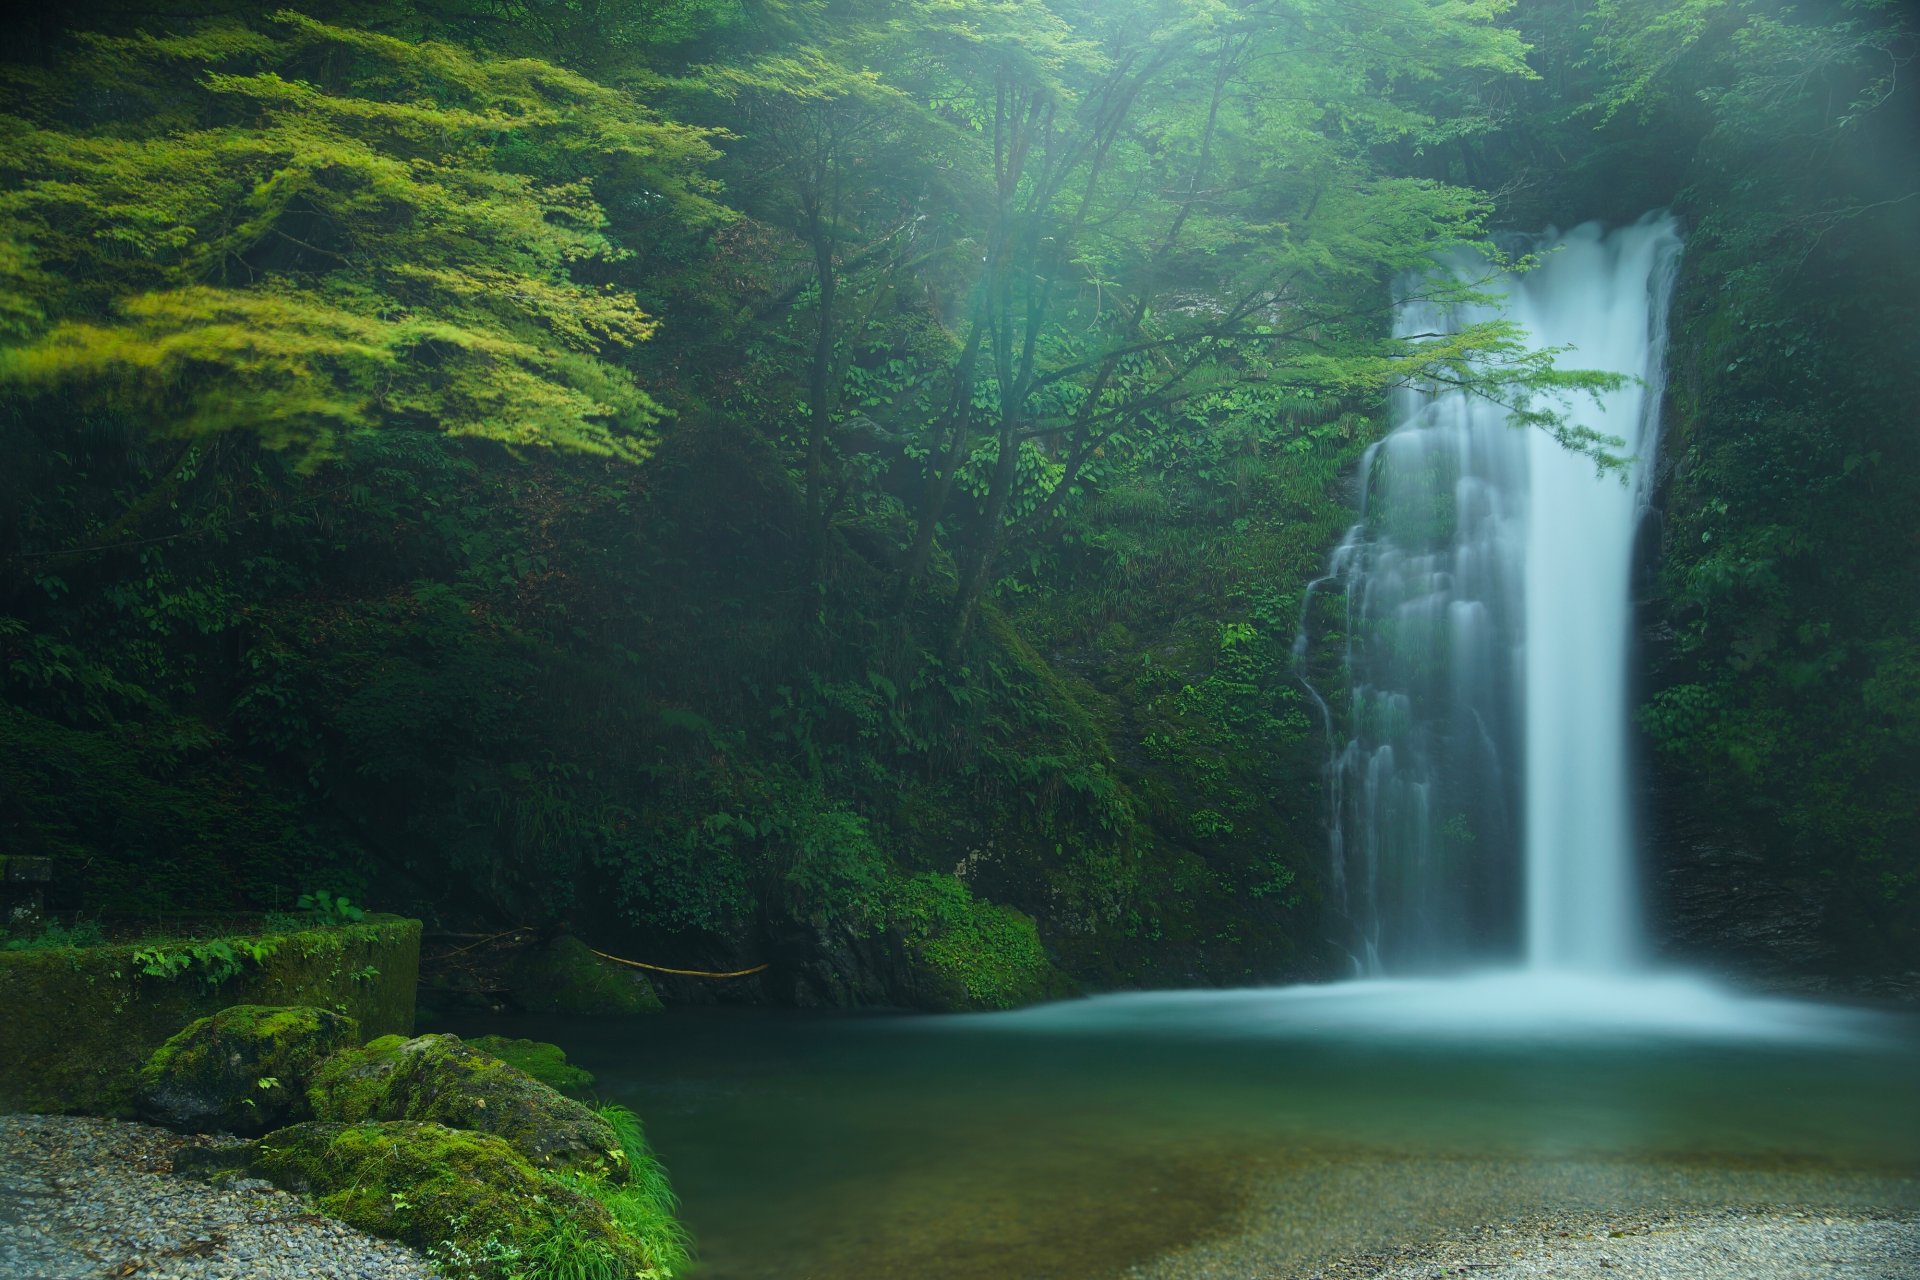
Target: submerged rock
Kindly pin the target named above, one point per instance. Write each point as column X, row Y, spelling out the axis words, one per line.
column 441, row 1078
column 244, row 1070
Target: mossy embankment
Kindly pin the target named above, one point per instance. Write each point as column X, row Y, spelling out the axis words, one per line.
column 81, row 1021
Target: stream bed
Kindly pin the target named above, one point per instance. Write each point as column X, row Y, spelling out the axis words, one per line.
column 1116, row 1135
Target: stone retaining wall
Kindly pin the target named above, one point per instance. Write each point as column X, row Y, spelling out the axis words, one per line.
column 76, row 1023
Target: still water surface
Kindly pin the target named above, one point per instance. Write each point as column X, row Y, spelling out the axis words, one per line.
column 1081, row 1139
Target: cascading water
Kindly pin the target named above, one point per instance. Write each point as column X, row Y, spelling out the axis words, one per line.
column 1480, row 803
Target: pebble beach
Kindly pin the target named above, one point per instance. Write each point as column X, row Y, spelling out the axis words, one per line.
column 1567, row 1219
column 89, row 1199
column 1783, row 1244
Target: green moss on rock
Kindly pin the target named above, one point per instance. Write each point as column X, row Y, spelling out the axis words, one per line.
column 244, row 1070
column 78, row 1023
column 471, row 1201
column 441, row 1078
column 967, row 953
column 545, row 1062
column 565, row 977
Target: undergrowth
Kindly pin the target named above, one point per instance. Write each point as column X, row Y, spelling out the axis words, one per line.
column 642, row 1207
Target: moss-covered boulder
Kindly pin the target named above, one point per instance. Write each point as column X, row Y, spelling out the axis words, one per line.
column 966, row 953
column 469, row 1199
column 564, row 976
column 545, row 1062
column 441, row 1078
column 243, row 1070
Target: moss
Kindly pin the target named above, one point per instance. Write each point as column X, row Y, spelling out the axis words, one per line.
column 472, row 1202
column 974, row 954
column 545, row 1062
column 565, row 977
column 244, row 1070
column 441, row 1078
column 81, row 1021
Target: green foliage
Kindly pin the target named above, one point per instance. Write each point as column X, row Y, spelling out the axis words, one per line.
column 329, row 909
column 211, row 961
column 990, row 954
column 643, row 1205
column 316, row 231
column 54, row 936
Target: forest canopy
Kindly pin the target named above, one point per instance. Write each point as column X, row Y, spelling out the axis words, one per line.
column 713, row 469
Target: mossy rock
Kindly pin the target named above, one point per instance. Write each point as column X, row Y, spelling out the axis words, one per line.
column 442, row 1078
column 563, row 976
column 965, row 953
column 243, row 1070
column 545, row 1062
column 469, row 1199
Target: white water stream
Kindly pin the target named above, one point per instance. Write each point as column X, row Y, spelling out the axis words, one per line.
column 1481, row 800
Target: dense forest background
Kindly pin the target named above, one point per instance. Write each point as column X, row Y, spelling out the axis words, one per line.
column 833, row 484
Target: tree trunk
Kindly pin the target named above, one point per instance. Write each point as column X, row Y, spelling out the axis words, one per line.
column 979, row 564
column 819, row 392
column 940, row 485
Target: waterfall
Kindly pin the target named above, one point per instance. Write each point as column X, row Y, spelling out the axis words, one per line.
column 1480, row 805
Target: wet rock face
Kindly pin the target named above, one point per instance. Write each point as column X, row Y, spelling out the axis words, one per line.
column 244, row 1070
column 443, row 1079
column 1711, row 900
column 1715, row 904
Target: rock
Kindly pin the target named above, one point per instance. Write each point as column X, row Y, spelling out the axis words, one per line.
column 564, row 976
column 545, row 1062
column 441, row 1078
column 469, row 1198
column 244, row 1070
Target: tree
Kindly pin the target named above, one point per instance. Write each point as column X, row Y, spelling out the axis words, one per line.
column 1183, row 198
column 306, row 231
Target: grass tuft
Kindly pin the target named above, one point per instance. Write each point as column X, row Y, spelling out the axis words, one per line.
column 643, row 1207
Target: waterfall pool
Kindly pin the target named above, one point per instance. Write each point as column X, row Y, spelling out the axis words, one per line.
column 1085, row 1139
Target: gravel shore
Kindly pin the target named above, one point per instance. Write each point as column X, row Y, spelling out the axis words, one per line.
column 83, row 1198
column 1727, row 1245
column 1411, row 1219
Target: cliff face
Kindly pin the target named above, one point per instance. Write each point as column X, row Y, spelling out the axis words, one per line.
column 1713, row 902
column 1774, row 584
column 1718, row 903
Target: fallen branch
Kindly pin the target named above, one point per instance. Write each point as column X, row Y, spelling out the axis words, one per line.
column 684, row 973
